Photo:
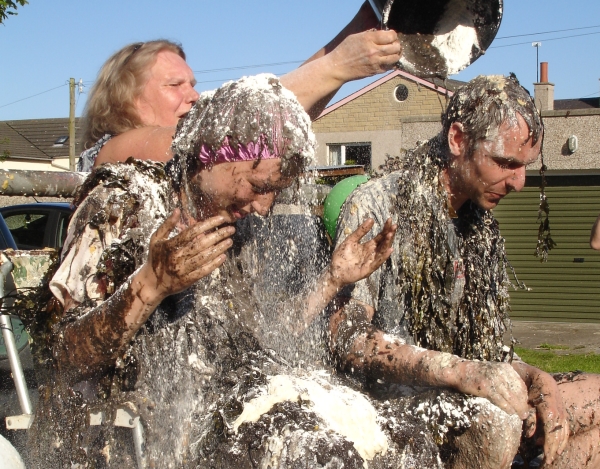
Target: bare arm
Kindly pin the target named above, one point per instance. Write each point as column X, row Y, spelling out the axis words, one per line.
column 360, row 346
column 145, row 143
column 358, row 51
column 351, row 262
column 595, row 235
column 98, row 337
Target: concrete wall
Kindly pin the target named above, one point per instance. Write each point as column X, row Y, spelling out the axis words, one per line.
column 382, row 142
column 57, row 164
column 560, row 125
column 418, row 129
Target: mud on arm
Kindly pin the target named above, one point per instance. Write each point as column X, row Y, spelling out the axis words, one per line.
column 359, row 346
column 95, row 339
column 92, row 342
column 550, row 413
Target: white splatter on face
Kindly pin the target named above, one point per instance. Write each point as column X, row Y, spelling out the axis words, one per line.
column 238, row 189
column 495, row 168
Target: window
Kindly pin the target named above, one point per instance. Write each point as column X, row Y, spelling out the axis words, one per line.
column 63, row 224
column 350, row 154
column 28, row 229
column 401, row 93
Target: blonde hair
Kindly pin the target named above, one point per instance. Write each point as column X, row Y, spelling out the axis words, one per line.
column 110, row 108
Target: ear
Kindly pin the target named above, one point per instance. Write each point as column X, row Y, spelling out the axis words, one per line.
column 456, row 139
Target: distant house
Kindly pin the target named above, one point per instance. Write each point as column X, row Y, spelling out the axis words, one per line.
column 393, row 113
column 386, row 117
column 37, row 144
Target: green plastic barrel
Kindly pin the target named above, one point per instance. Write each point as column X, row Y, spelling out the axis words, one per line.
column 336, row 198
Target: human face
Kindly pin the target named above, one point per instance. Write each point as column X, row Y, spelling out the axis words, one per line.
column 169, row 92
column 495, row 168
column 235, row 190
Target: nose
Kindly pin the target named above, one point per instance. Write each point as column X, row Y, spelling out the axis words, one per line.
column 516, row 181
column 263, row 203
column 191, row 95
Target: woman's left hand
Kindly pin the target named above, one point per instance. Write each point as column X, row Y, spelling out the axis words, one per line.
column 353, row 260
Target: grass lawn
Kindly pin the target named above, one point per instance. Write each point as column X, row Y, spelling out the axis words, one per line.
column 552, row 362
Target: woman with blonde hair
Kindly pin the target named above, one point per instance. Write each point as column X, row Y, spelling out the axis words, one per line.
column 143, row 84
column 145, row 88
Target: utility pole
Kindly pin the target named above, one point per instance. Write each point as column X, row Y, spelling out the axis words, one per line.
column 537, row 46
column 72, row 124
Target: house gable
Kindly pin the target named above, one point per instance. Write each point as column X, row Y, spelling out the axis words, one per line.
column 375, row 108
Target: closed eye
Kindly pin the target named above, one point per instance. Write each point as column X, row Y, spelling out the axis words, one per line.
column 263, row 189
column 506, row 164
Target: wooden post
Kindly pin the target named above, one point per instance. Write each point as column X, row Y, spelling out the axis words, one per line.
column 72, row 124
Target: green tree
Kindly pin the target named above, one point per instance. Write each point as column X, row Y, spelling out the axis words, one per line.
column 8, row 7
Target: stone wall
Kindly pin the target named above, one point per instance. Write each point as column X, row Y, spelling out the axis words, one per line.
column 378, row 109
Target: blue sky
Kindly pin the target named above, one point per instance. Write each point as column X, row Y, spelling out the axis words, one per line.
column 50, row 41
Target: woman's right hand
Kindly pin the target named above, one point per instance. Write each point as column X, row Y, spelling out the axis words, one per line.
column 176, row 263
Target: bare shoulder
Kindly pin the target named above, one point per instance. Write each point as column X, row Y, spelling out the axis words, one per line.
column 145, row 143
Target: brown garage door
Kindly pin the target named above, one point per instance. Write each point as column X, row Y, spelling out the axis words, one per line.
column 567, row 287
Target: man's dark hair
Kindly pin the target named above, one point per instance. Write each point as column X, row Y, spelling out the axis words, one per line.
column 487, row 102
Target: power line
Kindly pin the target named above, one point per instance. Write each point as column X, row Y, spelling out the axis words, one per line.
column 33, row 96
column 546, row 40
column 248, row 66
column 300, row 61
column 548, row 32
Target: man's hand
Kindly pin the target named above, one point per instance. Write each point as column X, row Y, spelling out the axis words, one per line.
column 175, row 264
column 545, row 398
column 353, row 261
column 499, row 383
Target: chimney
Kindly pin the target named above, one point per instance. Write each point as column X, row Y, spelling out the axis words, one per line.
column 543, row 92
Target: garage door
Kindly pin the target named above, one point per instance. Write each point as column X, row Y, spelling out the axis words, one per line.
column 567, row 287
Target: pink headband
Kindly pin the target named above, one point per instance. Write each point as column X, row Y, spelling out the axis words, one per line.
column 251, row 151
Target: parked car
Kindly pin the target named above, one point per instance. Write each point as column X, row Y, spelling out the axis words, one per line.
column 6, row 239
column 38, row 226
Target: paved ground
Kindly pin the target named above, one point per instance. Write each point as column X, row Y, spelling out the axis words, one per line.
column 578, row 337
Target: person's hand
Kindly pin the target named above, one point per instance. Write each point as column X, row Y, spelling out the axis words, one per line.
column 353, row 260
column 499, row 383
column 365, row 54
column 545, row 397
column 176, row 263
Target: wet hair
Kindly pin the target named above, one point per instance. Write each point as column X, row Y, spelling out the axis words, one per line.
column 254, row 109
column 110, row 108
column 487, row 102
